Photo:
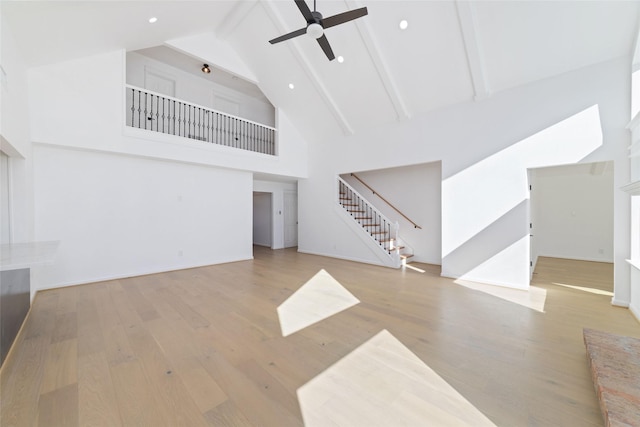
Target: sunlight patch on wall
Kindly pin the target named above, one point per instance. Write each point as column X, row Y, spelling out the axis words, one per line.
column 383, row 383
column 479, row 195
column 321, row 297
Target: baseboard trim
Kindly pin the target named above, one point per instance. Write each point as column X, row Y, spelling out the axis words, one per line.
column 635, row 312
column 130, row 275
column 619, row 303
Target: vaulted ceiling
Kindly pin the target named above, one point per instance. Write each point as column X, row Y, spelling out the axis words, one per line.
column 451, row 52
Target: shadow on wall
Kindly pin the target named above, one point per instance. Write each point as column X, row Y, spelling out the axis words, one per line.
column 485, row 206
column 494, row 244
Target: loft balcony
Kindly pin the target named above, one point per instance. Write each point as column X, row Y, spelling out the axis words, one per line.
column 156, row 112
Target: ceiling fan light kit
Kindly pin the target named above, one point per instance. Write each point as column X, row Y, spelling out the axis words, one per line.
column 316, row 25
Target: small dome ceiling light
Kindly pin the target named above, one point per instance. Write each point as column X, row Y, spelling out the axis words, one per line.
column 205, row 69
column 153, row 20
column 291, row 86
column 315, row 30
column 404, row 24
column 341, row 59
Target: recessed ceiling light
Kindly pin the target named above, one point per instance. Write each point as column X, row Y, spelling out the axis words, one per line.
column 153, row 20
column 340, row 59
column 404, row 24
column 291, row 86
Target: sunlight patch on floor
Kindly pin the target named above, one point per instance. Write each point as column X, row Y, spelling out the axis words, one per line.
column 419, row 270
column 585, row 289
column 382, row 383
column 533, row 298
column 321, row 297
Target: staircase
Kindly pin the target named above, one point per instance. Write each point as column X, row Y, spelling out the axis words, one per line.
column 374, row 223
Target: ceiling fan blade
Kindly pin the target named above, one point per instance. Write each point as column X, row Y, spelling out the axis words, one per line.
column 304, row 9
column 324, row 44
column 288, row 36
column 341, row 18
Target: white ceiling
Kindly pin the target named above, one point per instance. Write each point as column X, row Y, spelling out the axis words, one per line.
column 452, row 51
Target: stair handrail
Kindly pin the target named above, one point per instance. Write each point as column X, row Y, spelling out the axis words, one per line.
column 385, row 200
column 393, row 224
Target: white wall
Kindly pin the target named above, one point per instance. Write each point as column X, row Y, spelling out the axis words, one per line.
column 213, row 51
column 14, row 136
column 111, row 194
column 262, row 214
column 118, row 215
column 486, row 148
column 574, row 212
column 80, row 103
column 415, row 191
column 198, row 90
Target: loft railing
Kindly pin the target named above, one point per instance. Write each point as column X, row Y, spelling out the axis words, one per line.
column 160, row 113
column 378, row 226
column 385, row 200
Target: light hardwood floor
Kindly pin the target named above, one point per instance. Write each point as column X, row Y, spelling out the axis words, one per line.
column 204, row 346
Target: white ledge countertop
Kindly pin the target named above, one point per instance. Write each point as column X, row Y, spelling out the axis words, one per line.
column 14, row 256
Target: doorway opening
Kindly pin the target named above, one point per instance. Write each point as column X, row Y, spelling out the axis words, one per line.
column 263, row 219
column 571, row 214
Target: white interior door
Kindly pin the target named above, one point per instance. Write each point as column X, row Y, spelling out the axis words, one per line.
column 158, row 83
column 226, row 104
column 290, row 219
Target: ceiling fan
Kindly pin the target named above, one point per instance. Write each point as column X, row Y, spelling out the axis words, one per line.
column 316, row 25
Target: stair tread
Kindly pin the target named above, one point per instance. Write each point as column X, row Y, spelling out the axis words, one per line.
column 405, row 256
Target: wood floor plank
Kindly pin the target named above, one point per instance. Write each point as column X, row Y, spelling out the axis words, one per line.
column 227, row 414
column 20, row 393
column 137, row 399
column 42, row 321
column 204, row 347
column 178, row 406
column 61, row 367
column 181, row 348
column 90, row 336
column 59, row 407
column 143, row 307
column 96, row 395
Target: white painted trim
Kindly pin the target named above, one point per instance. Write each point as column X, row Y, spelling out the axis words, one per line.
column 138, row 274
column 632, row 188
column 235, row 16
column 473, row 47
column 633, row 263
column 609, row 261
column 386, row 77
column 635, row 313
column 618, row 303
column 634, row 123
column 300, row 56
column 10, row 199
column 634, row 149
column 454, row 276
